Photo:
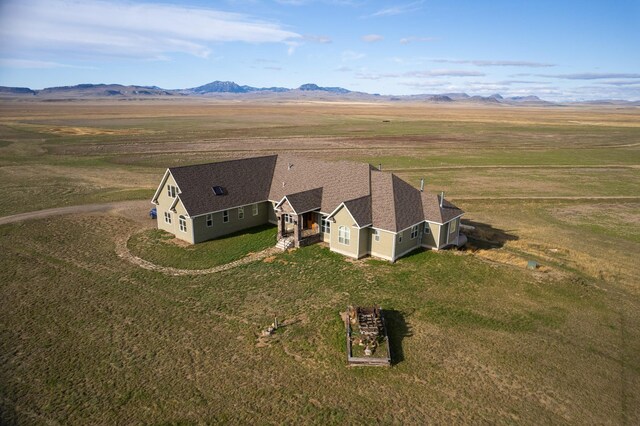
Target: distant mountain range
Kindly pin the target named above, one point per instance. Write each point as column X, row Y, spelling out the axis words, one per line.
column 306, row 91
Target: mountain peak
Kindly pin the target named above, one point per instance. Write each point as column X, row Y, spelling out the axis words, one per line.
column 315, row 87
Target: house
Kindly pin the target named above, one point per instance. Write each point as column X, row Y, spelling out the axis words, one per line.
column 354, row 207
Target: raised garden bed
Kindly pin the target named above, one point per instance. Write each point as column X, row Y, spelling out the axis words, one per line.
column 367, row 340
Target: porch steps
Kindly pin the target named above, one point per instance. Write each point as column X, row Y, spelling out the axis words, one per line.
column 284, row 244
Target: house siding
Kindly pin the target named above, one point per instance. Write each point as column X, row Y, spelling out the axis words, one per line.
column 429, row 240
column 164, row 201
column 452, row 238
column 383, row 248
column 364, row 242
column 203, row 233
column 407, row 243
column 272, row 212
column 182, row 235
column 343, row 218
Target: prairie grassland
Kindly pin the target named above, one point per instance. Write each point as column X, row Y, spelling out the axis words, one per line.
column 106, row 342
column 89, row 338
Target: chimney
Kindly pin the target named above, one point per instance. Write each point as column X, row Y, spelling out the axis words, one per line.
column 422, row 185
column 283, row 184
column 380, row 166
column 441, row 199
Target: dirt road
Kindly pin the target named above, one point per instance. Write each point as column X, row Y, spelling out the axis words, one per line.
column 138, row 205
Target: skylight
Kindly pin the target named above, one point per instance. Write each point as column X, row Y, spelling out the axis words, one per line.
column 218, row 190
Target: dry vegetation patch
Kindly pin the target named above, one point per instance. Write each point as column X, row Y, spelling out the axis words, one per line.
column 88, row 337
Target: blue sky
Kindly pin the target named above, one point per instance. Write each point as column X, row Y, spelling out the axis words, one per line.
column 558, row 50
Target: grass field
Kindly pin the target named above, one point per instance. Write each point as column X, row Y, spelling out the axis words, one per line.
column 89, row 338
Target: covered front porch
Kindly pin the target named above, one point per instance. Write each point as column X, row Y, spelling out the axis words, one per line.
column 301, row 230
column 298, row 218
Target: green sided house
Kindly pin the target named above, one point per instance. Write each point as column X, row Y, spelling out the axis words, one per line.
column 355, row 208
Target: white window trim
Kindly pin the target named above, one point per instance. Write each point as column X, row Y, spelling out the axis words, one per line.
column 400, row 236
column 167, row 217
column 325, row 225
column 225, row 216
column 182, row 223
column 172, row 191
column 376, row 235
column 240, row 213
column 254, row 209
column 427, row 229
column 209, row 220
column 344, row 234
column 414, row 232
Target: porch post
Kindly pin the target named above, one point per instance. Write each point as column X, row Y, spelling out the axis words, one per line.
column 280, row 226
column 296, row 231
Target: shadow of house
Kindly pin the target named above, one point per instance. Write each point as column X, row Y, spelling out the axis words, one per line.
column 484, row 236
column 397, row 330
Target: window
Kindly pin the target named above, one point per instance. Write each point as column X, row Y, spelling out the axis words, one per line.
column 225, row 216
column 167, row 217
column 240, row 212
column 344, row 235
column 287, row 218
column 452, row 227
column 254, row 208
column 325, row 225
column 183, row 223
column 376, row 235
column 209, row 220
column 172, row 191
column 427, row 229
column 399, row 237
column 414, row 232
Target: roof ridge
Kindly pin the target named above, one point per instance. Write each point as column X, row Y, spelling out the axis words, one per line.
column 395, row 199
column 223, row 161
column 357, row 198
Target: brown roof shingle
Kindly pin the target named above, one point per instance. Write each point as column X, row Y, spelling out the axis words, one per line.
column 360, row 209
column 434, row 213
column 244, row 181
column 305, row 201
column 373, row 197
column 340, row 180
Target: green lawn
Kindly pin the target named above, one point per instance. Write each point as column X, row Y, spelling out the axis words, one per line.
column 103, row 341
column 163, row 249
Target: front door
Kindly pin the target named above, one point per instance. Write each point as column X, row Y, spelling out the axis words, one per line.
column 309, row 220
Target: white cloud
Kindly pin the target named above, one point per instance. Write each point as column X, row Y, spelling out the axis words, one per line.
column 350, row 55
column 376, row 76
column 485, row 63
column 590, row 76
column 372, row 38
column 318, row 39
column 419, row 74
column 412, row 39
column 34, row 64
column 397, row 10
column 444, row 73
column 123, row 29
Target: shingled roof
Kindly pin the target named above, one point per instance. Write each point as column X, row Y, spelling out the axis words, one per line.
column 360, row 209
column 244, row 181
column 372, row 197
column 339, row 180
column 435, row 213
column 305, row 201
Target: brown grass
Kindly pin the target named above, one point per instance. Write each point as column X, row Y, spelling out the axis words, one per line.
column 88, row 337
